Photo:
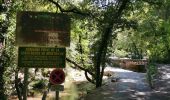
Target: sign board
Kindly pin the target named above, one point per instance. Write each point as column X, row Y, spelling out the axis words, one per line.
column 41, row 57
column 57, row 87
column 42, row 29
column 57, row 76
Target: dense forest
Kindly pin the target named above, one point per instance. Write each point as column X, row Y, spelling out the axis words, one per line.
column 100, row 29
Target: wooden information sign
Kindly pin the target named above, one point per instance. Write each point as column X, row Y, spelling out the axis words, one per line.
column 42, row 29
column 37, row 35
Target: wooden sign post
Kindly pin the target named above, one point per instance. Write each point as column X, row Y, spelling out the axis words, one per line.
column 57, row 76
column 37, row 34
column 25, row 83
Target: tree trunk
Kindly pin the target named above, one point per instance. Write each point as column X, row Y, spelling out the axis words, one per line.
column 107, row 31
column 101, row 54
column 17, row 86
column 44, row 95
column 2, row 90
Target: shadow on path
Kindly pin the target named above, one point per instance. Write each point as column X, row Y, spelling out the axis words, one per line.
column 133, row 86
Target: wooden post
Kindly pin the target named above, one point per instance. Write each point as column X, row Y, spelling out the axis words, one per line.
column 25, row 84
column 57, row 95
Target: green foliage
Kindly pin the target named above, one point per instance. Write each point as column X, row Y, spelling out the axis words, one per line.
column 152, row 68
column 120, row 53
column 151, row 37
column 81, row 37
column 39, row 84
column 4, row 55
column 158, row 34
column 151, row 73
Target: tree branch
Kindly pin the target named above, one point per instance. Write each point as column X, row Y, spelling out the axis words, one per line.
column 86, row 70
column 73, row 10
column 87, row 77
column 153, row 2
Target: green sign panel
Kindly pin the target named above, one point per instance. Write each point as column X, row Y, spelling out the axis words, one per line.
column 41, row 57
column 42, row 29
column 57, row 87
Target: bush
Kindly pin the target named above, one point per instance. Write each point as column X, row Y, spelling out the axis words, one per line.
column 39, row 84
column 151, row 73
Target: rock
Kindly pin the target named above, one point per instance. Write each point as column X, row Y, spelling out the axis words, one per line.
column 114, row 79
column 108, row 73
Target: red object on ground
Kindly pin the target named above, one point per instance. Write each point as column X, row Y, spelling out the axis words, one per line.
column 57, row 76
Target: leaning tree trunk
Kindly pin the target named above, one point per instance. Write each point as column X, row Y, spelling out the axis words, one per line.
column 107, row 31
column 101, row 55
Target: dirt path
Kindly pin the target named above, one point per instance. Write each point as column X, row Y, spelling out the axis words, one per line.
column 130, row 86
column 133, row 86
